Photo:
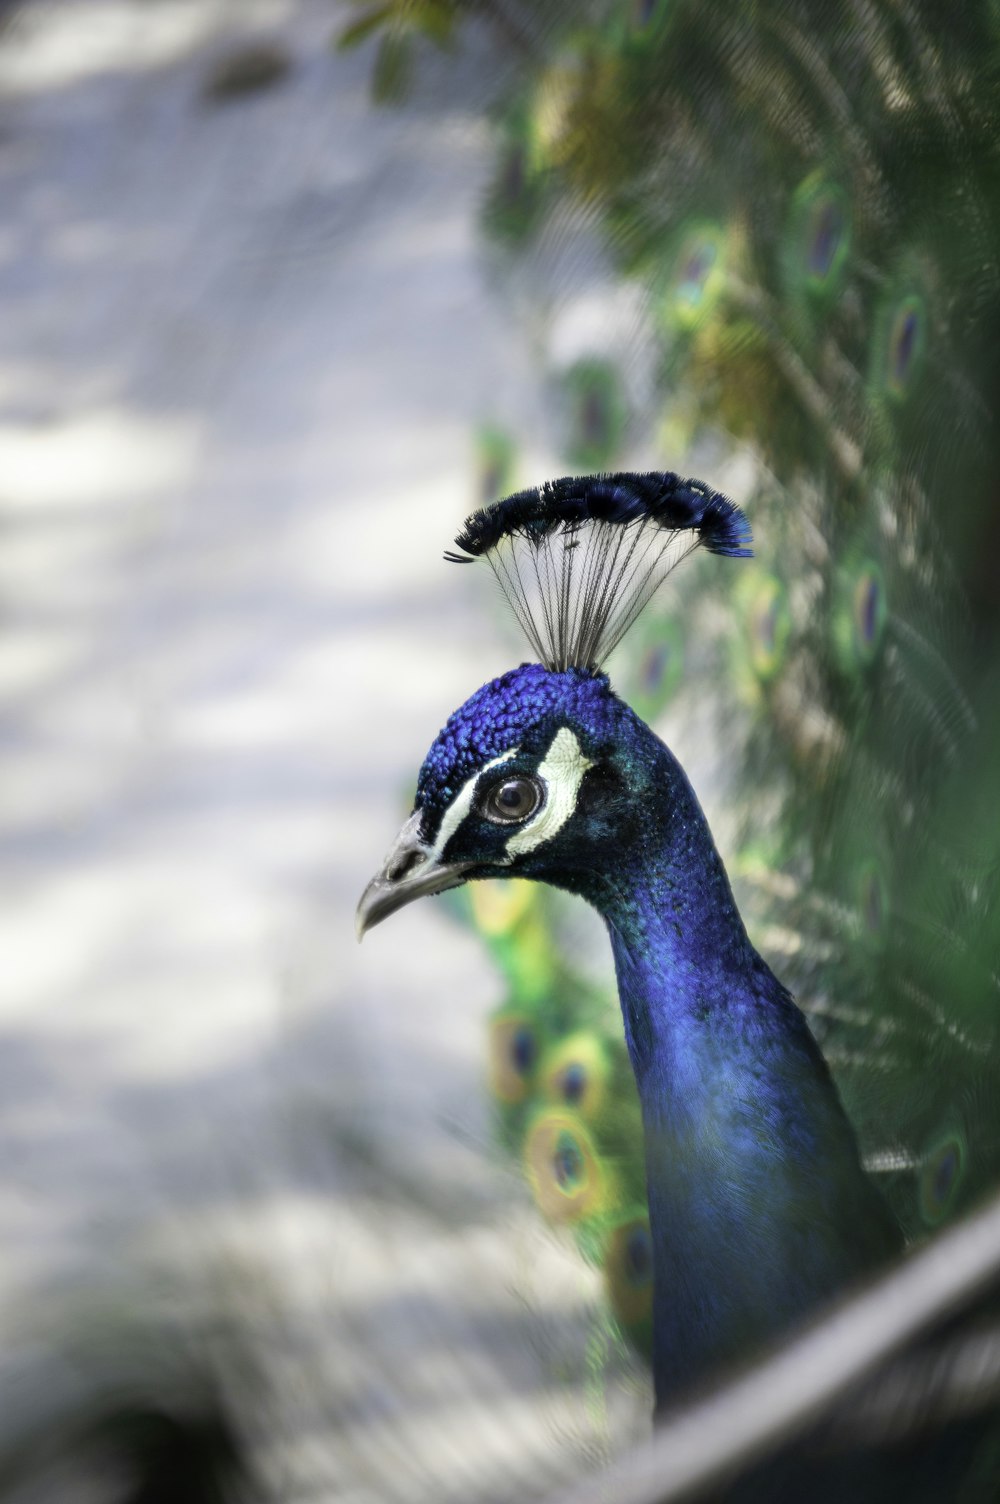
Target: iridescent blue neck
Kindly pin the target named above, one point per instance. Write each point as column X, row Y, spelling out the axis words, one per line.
column 759, row 1207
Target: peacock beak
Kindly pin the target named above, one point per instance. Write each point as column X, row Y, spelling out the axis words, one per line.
column 411, row 870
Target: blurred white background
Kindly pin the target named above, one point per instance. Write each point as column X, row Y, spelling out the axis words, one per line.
column 245, row 342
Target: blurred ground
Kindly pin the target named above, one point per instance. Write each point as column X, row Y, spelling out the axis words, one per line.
column 244, row 346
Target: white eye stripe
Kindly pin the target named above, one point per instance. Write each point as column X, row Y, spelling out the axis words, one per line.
column 462, row 803
column 562, row 774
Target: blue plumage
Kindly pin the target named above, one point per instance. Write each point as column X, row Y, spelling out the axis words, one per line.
column 494, row 719
column 759, row 1209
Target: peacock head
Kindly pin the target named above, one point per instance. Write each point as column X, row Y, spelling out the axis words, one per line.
column 528, row 778
column 540, row 769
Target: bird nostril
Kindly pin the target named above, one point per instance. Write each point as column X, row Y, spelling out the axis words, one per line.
column 404, row 863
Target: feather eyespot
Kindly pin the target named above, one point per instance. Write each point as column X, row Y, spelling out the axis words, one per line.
column 820, row 240
column 567, row 1164
column 523, row 1048
column 516, row 1042
column 654, row 665
column 872, row 900
column 511, row 801
column 826, row 233
column 697, row 276
column 628, row 1274
column 769, row 625
column 564, row 1167
column 940, row 1177
column 869, row 613
column 861, row 616
column 907, row 336
column 576, row 1072
column 574, row 1083
column 899, row 345
column 643, row 14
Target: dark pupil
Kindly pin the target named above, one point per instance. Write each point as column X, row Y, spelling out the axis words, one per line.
column 945, row 1174
column 699, row 264
column 524, row 1050
column 656, row 662
column 512, row 798
column 574, row 1082
column 594, row 416
column 567, row 1162
column 907, row 339
column 869, row 611
column 768, row 623
column 828, row 229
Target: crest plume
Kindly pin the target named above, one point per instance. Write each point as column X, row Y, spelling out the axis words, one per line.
column 579, row 558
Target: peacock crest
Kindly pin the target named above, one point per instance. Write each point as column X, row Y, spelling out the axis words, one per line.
column 578, row 559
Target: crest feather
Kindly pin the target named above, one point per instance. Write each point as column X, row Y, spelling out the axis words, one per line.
column 579, row 558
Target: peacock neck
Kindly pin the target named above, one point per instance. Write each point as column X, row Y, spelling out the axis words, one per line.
column 677, row 936
column 759, row 1208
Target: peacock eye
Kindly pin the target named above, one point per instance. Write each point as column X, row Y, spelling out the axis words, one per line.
column 512, row 800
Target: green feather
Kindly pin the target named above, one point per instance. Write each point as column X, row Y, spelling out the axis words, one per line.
column 595, row 412
column 628, row 1275
column 696, row 276
column 655, row 667
column 860, row 613
column 569, row 1178
column 818, row 246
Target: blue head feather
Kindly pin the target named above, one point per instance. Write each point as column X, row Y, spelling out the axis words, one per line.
column 514, row 710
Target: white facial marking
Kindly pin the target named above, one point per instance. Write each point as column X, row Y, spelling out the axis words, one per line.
column 462, row 803
column 562, row 773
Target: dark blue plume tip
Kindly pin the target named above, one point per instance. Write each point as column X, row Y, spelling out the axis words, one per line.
column 657, row 496
column 725, row 529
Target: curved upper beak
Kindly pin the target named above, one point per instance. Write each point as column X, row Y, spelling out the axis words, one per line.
column 410, row 871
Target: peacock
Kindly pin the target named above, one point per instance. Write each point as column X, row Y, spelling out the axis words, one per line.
column 793, row 213
column 759, row 1207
